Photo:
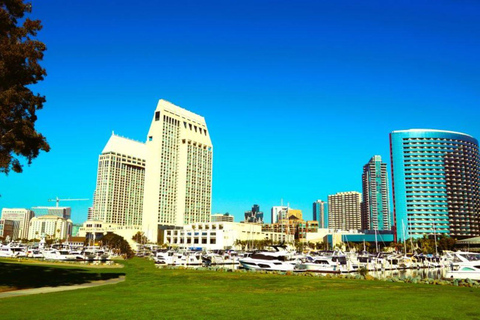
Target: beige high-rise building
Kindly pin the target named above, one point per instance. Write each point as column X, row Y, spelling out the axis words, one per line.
column 119, row 192
column 344, row 211
column 178, row 171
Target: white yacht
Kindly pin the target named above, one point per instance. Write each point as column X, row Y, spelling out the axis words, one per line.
column 329, row 262
column 175, row 258
column 279, row 260
column 463, row 265
column 61, row 255
column 220, row 257
column 12, row 250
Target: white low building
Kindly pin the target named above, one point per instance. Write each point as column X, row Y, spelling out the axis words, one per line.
column 100, row 228
column 216, row 235
column 50, row 226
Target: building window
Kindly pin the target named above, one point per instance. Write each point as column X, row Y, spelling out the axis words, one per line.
column 157, row 115
column 150, row 138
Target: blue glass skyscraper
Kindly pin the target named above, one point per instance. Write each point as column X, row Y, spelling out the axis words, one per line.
column 320, row 213
column 435, row 176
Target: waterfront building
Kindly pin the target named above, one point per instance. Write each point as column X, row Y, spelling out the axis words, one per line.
column 50, row 226
column 221, row 217
column 376, row 213
column 254, row 215
column 21, row 218
column 62, row 212
column 94, row 230
column 120, row 184
column 344, row 211
column 279, row 213
column 219, row 235
column 320, row 213
column 178, row 171
column 435, row 177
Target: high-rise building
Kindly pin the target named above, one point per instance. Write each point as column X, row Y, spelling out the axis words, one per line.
column 7, row 229
column 178, row 172
column 279, row 213
column 90, row 213
column 119, row 192
column 62, row 212
column 320, row 213
column 435, row 177
column 376, row 205
column 254, row 215
column 21, row 219
column 344, row 211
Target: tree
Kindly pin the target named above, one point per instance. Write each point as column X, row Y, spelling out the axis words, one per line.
column 20, row 54
column 114, row 241
column 140, row 237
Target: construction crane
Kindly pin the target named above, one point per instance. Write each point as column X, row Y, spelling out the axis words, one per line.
column 57, row 200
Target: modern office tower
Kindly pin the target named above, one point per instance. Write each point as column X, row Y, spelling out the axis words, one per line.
column 254, row 215
column 21, row 218
column 435, row 177
column 50, row 226
column 119, row 192
column 7, row 229
column 279, row 213
column 344, row 211
column 320, row 213
column 178, row 173
column 62, row 212
column 376, row 205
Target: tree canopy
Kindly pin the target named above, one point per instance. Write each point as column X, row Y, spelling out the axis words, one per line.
column 114, row 241
column 20, row 54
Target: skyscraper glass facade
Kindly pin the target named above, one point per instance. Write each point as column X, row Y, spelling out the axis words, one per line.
column 376, row 213
column 435, row 176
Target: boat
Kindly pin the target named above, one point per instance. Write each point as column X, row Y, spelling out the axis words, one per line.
column 13, row 250
column 323, row 264
column 279, row 260
column 175, row 258
column 61, row 255
column 220, row 257
column 463, row 265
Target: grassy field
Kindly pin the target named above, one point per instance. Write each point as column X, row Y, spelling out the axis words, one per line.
column 150, row 293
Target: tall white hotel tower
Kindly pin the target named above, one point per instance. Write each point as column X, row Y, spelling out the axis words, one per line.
column 178, row 171
column 118, row 196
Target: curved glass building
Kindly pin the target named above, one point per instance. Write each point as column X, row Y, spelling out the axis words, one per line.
column 435, row 177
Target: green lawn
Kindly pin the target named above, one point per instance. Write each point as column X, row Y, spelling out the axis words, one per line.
column 150, row 293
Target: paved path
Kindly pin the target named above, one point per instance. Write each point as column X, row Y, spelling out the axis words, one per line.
column 18, row 293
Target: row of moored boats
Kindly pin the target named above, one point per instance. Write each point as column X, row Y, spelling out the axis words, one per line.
column 459, row 264
column 55, row 252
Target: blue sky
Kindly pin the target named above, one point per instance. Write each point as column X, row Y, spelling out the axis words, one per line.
column 297, row 95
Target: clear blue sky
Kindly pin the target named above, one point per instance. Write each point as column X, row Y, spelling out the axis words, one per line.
column 297, row 95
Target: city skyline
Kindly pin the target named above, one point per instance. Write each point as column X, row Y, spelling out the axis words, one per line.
column 297, row 101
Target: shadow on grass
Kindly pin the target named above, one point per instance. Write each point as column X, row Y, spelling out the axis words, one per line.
column 28, row 276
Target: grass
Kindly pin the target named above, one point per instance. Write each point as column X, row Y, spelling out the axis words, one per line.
column 150, row 293
column 14, row 276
